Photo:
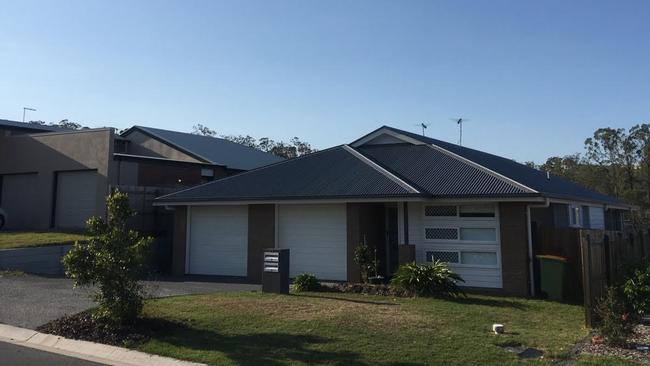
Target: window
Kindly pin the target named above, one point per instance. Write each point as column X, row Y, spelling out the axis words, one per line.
column 574, row 216
column 479, row 258
column 206, row 172
column 478, row 234
column 476, row 211
column 443, row 256
column 440, row 211
column 439, row 233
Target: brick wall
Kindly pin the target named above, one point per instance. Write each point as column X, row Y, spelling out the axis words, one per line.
column 179, row 240
column 261, row 235
column 514, row 248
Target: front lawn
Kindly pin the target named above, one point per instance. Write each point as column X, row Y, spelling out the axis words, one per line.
column 22, row 239
column 347, row 329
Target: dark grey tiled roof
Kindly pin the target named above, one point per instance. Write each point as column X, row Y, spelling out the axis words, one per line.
column 439, row 171
column 331, row 173
column 555, row 187
column 440, row 174
column 213, row 150
column 29, row 126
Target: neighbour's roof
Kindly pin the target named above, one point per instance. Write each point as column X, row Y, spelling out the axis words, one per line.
column 32, row 127
column 554, row 187
column 338, row 172
column 211, row 149
column 389, row 162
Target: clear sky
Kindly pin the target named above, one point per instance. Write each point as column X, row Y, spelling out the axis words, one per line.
column 535, row 77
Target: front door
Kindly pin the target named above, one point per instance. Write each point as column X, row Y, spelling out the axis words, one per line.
column 392, row 250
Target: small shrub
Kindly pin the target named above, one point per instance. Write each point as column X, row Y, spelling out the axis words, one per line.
column 366, row 258
column 306, row 282
column 637, row 290
column 112, row 261
column 434, row 279
column 615, row 324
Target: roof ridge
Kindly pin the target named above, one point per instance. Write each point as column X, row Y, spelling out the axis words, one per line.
column 393, row 177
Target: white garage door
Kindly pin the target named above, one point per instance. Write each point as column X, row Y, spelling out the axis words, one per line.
column 76, row 198
column 218, row 242
column 317, row 239
column 19, row 200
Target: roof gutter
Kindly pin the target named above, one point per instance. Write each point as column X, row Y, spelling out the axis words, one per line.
column 531, row 268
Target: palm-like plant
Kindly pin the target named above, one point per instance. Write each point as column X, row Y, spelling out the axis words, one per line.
column 435, row 279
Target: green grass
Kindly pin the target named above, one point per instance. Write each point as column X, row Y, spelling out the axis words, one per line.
column 22, row 239
column 346, row 329
column 11, row 273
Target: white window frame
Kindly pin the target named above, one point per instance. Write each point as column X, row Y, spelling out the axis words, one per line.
column 457, row 222
column 458, row 206
column 443, row 250
column 460, row 251
column 424, row 211
column 577, row 209
column 458, row 231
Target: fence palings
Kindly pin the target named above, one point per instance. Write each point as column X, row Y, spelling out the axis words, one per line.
column 606, row 257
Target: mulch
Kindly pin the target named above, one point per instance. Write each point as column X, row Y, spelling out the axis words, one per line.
column 637, row 348
column 82, row 326
column 367, row 289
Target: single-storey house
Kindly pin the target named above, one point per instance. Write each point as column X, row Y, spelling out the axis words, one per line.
column 411, row 197
column 57, row 178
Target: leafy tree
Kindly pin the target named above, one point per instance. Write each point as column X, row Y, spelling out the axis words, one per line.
column 616, row 162
column 199, row 129
column 112, row 261
column 288, row 150
column 64, row 123
column 242, row 140
column 39, row 122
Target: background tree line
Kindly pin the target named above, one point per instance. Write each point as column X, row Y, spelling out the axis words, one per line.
column 292, row 149
column 64, row 123
column 615, row 162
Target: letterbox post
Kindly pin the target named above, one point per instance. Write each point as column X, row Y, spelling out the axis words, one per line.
column 275, row 275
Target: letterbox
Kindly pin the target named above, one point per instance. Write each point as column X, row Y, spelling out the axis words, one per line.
column 275, row 277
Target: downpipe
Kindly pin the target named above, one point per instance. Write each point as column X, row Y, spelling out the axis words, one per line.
column 531, row 269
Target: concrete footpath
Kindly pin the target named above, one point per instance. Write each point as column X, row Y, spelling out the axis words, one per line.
column 94, row 352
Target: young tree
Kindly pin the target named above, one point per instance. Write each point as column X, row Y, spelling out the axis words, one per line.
column 113, row 261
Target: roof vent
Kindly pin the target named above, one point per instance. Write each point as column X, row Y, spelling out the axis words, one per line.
column 548, row 175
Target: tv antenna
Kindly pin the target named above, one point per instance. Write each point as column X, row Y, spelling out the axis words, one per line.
column 424, row 126
column 459, row 122
column 25, row 109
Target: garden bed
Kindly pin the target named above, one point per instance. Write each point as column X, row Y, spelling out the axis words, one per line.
column 636, row 349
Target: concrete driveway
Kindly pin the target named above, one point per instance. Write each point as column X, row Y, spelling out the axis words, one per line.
column 29, row 301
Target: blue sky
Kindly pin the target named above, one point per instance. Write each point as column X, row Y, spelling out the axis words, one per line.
column 535, row 78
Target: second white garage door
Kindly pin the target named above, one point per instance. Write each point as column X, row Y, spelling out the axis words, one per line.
column 317, row 238
column 218, row 240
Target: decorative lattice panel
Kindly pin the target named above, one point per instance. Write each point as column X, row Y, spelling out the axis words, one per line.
column 449, row 257
column 440, row 211
column 439, row 233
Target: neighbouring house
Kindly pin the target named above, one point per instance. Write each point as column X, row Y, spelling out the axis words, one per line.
column 413, row 198
column 57, row 178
